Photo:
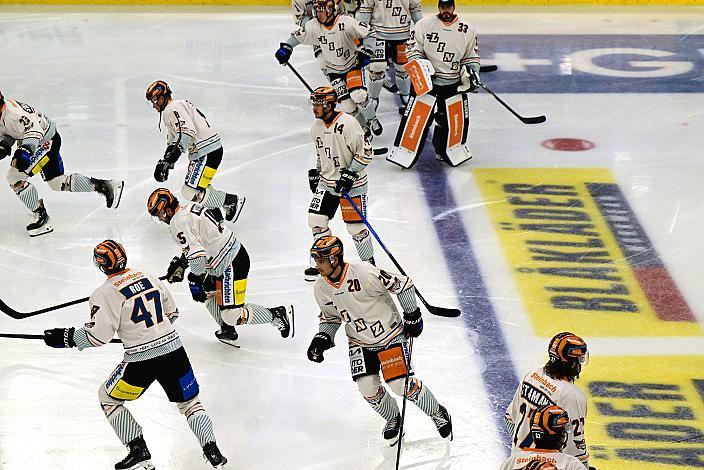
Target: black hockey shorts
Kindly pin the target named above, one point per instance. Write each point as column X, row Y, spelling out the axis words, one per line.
column 325, row 204
column 173, row 371
column 392, row 360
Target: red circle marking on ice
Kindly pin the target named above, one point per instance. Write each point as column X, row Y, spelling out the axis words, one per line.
column 568, row 144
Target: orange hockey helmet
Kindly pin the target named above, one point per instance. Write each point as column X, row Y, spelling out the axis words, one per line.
column 329, row 247
column 156, row 91
column 110, row 256
column 550, row 424
column 160, row 199
column 568, row 348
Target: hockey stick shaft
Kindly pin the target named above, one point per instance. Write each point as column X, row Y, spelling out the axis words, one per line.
column 488, row 68
column 298, row 75
column 405, row 398
column 11, row 312
column 24, row 336
column 524, row 120
column 440, row 311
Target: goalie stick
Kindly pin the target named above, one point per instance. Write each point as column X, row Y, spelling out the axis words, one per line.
column 524, row 120
column 439, row 311
column 11, row 312
column 23, row 336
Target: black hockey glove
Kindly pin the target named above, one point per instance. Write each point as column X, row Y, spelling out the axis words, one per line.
column 60, row 337
column 347, row 179
column 195, row 284
column 320, row 343
column 413, row 323
column 313, row 179
column 173, row 151
column 5, row 149
column 284, row 53
column 22, row 158
column 364, row 57
column 161, row 172
column 177, row 269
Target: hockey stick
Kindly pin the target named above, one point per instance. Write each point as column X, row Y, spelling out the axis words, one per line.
column 439, row 311
column 524, row 120
column 21, row 336
column 488, row 68
column 405, row 397
column 11, row 312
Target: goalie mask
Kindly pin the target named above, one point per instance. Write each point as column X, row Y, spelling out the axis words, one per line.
column 550, row 425
column 110, row 257
column 330, row 248
column 159, row 200
column 325, row 11
column 158, row 93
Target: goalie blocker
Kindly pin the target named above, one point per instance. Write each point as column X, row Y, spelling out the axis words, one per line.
column 450, row 109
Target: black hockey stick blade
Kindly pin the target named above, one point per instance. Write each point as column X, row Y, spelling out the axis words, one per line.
column 11, row 312
column 524, row 120
column 381, row 151
column 439, row 311
column 488, row 68
column 24, row 336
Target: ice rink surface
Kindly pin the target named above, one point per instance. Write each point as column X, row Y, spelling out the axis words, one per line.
column 626, row 82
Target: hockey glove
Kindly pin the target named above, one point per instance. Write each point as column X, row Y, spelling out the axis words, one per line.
column 320, row 343
column 5, row 149
column 412, row 323
column 195, row 284
column 177, row 269
column 60, row 337
column 347, row 179
column 284, row 53
column 22, row 158
column 364, row 57
column 161, row 172
column 313, row 179
column 173, row 151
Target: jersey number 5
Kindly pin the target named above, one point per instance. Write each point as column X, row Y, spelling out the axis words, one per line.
column 141, row 313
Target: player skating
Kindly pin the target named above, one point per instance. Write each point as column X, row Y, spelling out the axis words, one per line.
column 358, row 295
column 219, row 266
column 190, row 132
column 38, row 146
column 141, row 310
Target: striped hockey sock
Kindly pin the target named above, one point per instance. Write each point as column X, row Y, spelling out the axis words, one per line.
column 28, row 195
column 384, row 404
column 422, row 397
column 363, row 243
column 257, row 315
column 124, row 425
column 214, row 310
column 200, row 423
column 214, row 198
column 77, row 183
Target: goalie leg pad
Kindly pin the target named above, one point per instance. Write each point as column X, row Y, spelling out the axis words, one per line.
column 457, row 115
column 412, row 131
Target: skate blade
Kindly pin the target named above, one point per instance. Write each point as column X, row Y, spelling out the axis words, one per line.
column 229, row 343
column 146, row 465
column 117, row 195
column 40, row 231
column 394, row 441
column 292, row 321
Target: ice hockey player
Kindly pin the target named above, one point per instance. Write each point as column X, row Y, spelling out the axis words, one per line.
column 357, row 294
column 189, row 131
column 392, row 22
column 337, row 36
column 219, row 266
column 38, row 146
column 141, row 310
column 443, row 64
column 549, row 427
column 553, row 384
column 343, row 153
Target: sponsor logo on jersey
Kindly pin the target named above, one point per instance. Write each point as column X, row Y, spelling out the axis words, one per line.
column 534, row 396
column 544, row 382
column 645, row 412
column 115, row 376
column 580, row 256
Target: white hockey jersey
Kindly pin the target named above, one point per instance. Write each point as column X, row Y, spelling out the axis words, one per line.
column 337, row 42
column 139, row 308
column 520, row 458
column 188, row 126
column 391, row 19
column 538, row 389
column 26, row 125
column 200, row 235
column 361, row 300
column 448, row 46
column 342, row 144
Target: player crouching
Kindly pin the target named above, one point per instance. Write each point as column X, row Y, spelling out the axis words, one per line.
column 219, row 266
column 378, row 337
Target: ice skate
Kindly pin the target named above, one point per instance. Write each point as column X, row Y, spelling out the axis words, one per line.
column 376, row 127
column 284, row 320
column 443, row 422
column 138, row 458
column 212, row 453
column 227, row 334
column 392, row 429
column 233, row 207
column 111, row 191
column 41, row 224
